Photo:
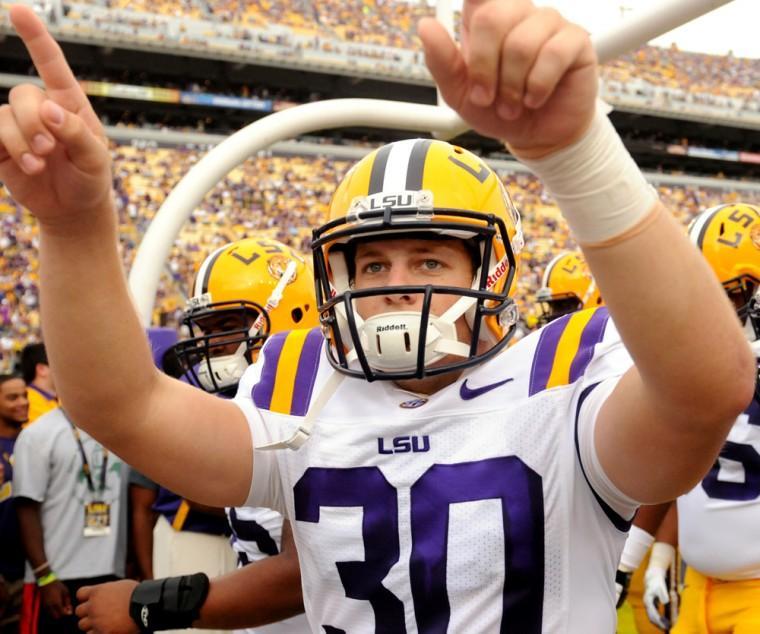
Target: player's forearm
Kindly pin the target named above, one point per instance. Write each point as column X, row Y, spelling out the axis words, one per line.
column 678, row 325
column 262, row 592
column 693, row 361
column 97, row 348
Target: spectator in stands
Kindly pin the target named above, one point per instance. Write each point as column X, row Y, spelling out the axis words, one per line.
column 39, row 380
column 14, row 412
column 70, row 495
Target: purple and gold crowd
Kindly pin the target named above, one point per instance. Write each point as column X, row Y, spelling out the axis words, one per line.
column 392, row 24
column 270, row 196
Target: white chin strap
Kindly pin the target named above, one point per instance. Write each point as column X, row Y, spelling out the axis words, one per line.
column 222, row 372
column 391, row 340
column 303, row 433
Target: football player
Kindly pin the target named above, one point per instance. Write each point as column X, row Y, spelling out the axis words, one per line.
column 442, row 481
column 719, row 518
column 567, row 286
column 243, row 292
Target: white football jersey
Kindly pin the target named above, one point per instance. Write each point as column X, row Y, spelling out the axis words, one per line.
column 471, row 509
column 719, row 519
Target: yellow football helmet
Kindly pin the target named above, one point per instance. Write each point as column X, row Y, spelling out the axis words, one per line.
column 729, row 237
column 243, row 292
column 567, row 286
column 428, row 189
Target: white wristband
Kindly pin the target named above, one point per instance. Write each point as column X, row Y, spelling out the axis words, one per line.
column 599, row 188
column 636, row 547
column 663, row 555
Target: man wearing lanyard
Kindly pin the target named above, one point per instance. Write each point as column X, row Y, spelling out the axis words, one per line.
column 71, row 502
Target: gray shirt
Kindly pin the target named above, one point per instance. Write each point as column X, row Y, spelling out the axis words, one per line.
column 48, row 470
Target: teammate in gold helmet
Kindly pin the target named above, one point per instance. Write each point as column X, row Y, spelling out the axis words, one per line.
column 567, row 286
column 243, row 292
column 729, row 238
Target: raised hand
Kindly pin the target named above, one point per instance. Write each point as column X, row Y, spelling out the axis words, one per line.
column 523, row 74
column 54, row 157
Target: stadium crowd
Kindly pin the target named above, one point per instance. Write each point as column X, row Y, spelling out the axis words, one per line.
column 380, row 36
column 373, row 28
column 269, row 196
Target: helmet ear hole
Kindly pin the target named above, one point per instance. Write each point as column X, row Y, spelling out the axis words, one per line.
column 296, row 314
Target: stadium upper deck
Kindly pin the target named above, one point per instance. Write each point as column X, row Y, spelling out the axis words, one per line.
column 375, row 38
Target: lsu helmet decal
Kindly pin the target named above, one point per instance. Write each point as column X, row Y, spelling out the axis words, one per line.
column 567, row 286
column 428, row 189
column 243, row 292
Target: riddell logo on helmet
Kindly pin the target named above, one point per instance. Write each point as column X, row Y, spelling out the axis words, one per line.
column 498, row 273
column 390, row 327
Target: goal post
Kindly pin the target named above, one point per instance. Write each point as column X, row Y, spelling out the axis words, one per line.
column 439, row 120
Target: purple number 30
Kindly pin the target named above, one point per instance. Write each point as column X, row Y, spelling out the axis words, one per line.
column 507, row 479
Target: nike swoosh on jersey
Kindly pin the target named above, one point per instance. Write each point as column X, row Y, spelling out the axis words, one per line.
column 469, row 393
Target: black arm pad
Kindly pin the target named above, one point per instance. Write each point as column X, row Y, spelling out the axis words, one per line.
column 168, row 604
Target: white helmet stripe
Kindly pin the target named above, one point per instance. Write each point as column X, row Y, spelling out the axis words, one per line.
column 550, row 267
column 201, row 280
column 398, row 165
column 700, row 223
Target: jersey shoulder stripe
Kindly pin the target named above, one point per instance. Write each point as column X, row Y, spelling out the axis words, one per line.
column 290, row 368
column 565, row 348
column 617, row 520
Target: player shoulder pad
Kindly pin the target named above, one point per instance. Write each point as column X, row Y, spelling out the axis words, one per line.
column 289, row 371
column 565, row 348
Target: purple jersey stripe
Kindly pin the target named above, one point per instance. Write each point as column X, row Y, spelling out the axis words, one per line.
column 592, row 335
column 306, row 373
column 262, row 391
column 543, row 358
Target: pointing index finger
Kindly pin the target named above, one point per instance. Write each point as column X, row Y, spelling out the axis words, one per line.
column 48, row 59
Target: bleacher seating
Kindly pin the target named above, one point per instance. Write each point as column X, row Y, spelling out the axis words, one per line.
column 279, row 197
